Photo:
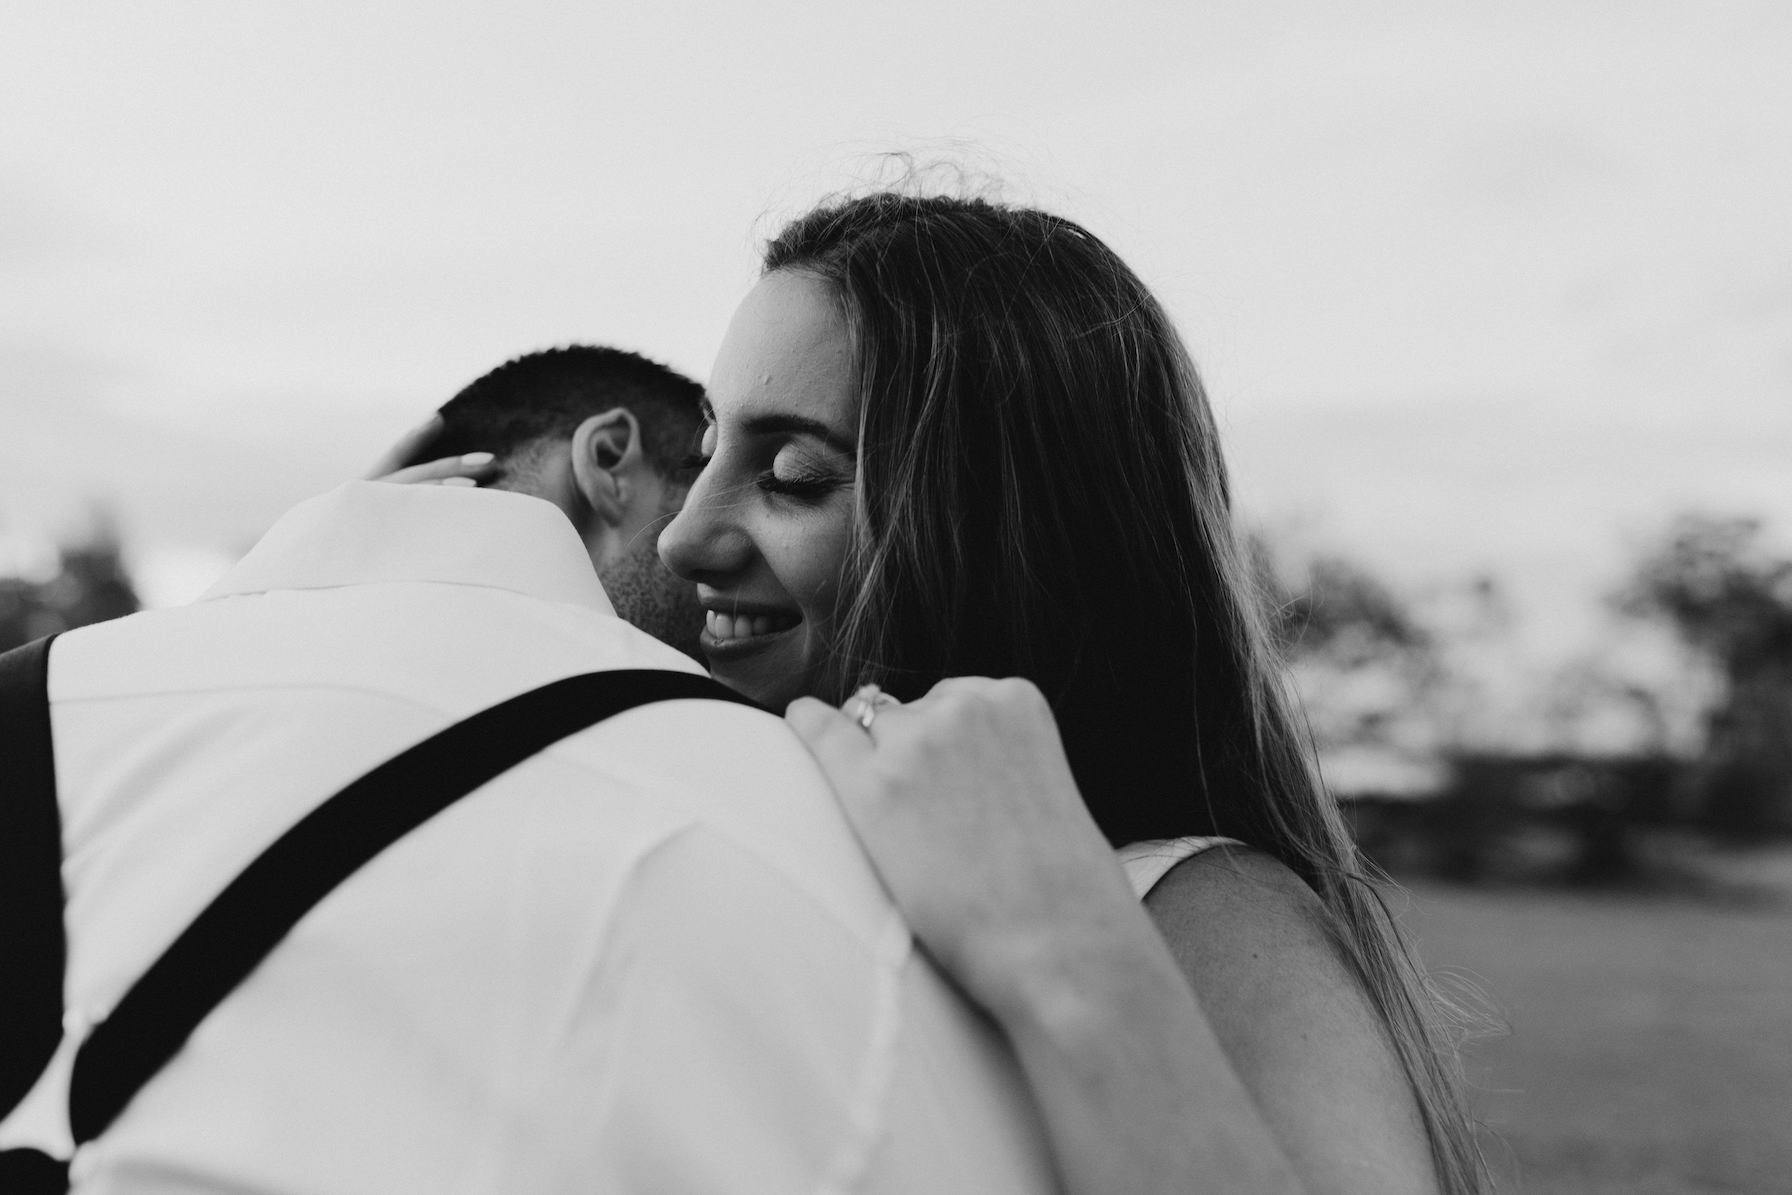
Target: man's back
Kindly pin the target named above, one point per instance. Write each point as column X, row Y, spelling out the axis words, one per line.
column 650, row 958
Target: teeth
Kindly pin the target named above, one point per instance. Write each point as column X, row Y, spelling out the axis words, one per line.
column 745, row 626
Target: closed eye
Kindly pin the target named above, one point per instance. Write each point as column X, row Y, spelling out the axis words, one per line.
column 801, row 485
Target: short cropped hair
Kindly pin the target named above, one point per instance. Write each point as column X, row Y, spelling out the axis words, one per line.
column 547, row 394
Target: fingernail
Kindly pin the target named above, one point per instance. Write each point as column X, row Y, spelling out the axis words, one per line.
column 461, row 481
column 477, row 458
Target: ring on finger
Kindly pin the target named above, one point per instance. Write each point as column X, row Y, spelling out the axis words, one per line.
column 866, row 702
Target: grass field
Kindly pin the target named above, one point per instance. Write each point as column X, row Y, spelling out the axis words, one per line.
column 1650, row 1037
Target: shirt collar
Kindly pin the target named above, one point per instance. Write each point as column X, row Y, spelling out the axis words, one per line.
column 369, row 532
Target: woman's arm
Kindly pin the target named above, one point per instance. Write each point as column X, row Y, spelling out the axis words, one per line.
column 1253, row 943
column 392, row 465
column 1228, row 1052
column 1138, row 1095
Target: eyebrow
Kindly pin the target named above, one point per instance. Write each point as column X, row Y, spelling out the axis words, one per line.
column 776, row 424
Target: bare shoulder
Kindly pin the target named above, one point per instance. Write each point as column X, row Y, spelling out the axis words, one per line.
column 1255, row 944
column 1253, row 940
column 1232, row 897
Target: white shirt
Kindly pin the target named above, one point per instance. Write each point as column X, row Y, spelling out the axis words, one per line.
column 1147, row 862
column 652, row 958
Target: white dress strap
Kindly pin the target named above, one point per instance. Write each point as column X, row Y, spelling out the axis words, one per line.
column 1148, row 862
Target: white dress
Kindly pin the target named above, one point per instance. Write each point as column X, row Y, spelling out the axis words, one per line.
column 1148, row 862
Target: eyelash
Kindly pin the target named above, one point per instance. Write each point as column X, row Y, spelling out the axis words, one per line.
column 812, row 485
column 806, row 486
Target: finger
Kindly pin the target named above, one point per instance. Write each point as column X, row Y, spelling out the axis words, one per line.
column 472, row 467
column 869, row 693
column 958, row 686
column 409, row 447
column 836, row 741
column 872, row 705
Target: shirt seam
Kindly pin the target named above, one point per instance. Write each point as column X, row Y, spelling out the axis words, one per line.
column 869, row 1113
column 583, row 605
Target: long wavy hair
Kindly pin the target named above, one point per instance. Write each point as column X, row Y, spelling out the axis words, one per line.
column 1042, row 494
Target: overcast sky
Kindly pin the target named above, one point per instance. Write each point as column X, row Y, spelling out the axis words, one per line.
column 1476, row 287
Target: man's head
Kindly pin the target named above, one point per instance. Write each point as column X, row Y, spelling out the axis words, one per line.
column 604, row 435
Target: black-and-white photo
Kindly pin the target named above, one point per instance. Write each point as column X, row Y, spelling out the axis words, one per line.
column 1106, row 599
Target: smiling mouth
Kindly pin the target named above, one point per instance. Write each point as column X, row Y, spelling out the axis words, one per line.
column 740, row 628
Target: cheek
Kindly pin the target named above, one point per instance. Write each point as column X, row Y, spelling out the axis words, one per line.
column 816, row 564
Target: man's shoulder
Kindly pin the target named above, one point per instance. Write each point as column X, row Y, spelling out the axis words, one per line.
column 740, row 775
column 432, row 655
column 456, row 646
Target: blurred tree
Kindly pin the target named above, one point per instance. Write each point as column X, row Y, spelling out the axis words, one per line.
column 1716, row 581
column 1369, row 673
column 1593, row 707
column 1362, row 660
column 90, row 584
column 1348, row 615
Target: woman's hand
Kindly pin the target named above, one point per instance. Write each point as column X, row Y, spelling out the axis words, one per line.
column 966, row 804
column 468, row 469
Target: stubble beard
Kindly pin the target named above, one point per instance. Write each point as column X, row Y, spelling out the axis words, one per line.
column 653, row 598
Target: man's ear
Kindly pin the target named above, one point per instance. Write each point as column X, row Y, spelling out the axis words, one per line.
column 606, row 455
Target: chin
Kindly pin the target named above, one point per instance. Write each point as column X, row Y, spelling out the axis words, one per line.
column 769, row 685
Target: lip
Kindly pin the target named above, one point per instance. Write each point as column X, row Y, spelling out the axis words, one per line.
column 724, row 651
column 750, row 609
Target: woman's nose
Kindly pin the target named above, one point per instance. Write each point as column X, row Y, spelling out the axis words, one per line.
column 703, row 542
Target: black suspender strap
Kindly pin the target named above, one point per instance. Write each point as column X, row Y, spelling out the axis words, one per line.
column 255, row 911
column 32, row 943
column 32, row 948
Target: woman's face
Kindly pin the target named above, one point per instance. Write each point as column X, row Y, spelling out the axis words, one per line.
column 766, row 529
